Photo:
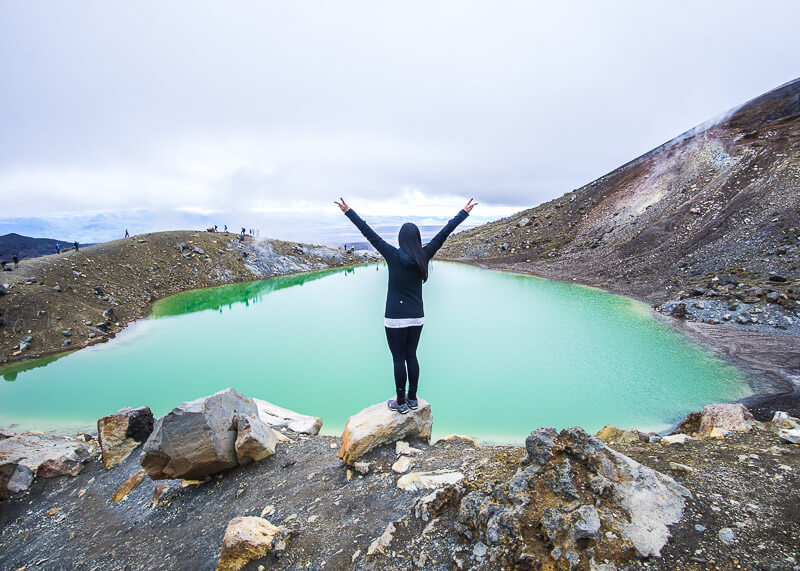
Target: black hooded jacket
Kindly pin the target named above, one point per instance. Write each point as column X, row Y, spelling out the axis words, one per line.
column 404, row 296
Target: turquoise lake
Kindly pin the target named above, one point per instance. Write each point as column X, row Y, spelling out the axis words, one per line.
column 500, row 355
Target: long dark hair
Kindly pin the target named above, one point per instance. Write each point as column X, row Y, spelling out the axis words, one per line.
column 411, row 243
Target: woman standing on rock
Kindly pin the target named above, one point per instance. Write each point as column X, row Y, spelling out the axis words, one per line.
column 404, row 317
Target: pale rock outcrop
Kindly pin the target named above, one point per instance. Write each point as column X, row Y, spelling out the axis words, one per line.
column 278, row 417
column 197, row 438
column 585, row 499
column 417, row 481
column 245, row 539
column 377, row 425
column 717, row 420
column 786, row 427
column 254, row 439
column 121, row 433
column 613, row 435
column 34, row 455
column 726, row 417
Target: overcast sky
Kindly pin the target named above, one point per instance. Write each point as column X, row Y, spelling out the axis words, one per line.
column 261, row 113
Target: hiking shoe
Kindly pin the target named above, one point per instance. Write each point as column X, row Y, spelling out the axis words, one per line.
column 413, row 404
column 401, row 408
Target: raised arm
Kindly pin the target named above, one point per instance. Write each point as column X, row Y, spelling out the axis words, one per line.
column 377, row 242
column 433, row 246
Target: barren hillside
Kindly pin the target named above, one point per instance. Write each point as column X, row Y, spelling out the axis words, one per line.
column 719, row 199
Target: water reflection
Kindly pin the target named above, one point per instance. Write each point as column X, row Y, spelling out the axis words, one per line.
column 217, row 298
column 10, row 372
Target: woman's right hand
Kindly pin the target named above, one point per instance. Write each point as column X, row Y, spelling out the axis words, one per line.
column 342, row 205
column 470, row 205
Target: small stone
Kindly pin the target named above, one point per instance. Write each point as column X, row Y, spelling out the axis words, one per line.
column 726, row 535
column 415, row 481
column 128, row 486
column 700, row 528
column 678, row 467
column 402, row 465
column 361, row 467
column 676, row 439
column 402, row 447
column 480, row 549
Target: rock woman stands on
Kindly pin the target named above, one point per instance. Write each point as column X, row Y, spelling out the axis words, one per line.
column 404, row 317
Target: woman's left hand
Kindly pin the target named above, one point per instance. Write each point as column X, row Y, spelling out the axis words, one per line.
column 342, row 205
column 470, row 205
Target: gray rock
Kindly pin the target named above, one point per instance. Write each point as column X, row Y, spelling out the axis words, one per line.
column 524, row 222
column 197, row 438
column 29, row 455
column 773, row 296
column 588, row 524
column 255, row 440
column 633, row 503
column 109, row 314
column 726, row 535
column 66, row 343
column 56, row 287
column 699, row 527
column 480, row 550
column 3, row 290
column 66, row 333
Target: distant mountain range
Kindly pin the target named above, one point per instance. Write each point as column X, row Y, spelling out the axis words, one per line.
column 27, row 247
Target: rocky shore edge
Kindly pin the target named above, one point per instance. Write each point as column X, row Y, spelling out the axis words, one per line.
column 59, row 303
column 231, row 482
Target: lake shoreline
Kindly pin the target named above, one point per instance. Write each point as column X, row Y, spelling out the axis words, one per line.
column 772, row 366
column 62, row 302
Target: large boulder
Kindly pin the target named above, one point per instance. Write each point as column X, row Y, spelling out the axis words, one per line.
column 278, row 417
column 716, row 420
column 573, row 500
column 377, row 425
column 245, row 539
column 29, row 455
column 121, row 433
column 197, row 438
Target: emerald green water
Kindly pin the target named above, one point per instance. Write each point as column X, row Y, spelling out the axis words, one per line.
column 500, row 354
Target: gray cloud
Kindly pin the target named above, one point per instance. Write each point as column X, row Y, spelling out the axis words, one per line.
column 251, row 106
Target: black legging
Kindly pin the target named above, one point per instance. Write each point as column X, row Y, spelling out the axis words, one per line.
column 403, row 343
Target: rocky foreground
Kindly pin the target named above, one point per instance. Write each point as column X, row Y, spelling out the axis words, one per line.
column 229, row 482
column 75, row 299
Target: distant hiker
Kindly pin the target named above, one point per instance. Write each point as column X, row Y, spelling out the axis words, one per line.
column 215, row 227
column 3, row 266
column 126, row 233
column 15, row 259
column 226, row 228
column 76, row 245
column 58, row 248
column 404, row 316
